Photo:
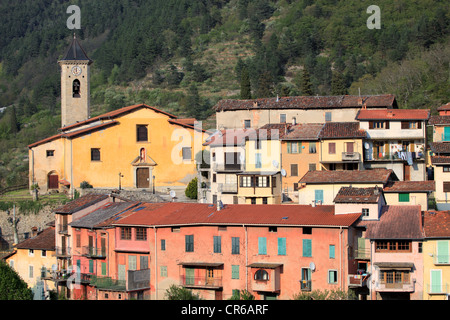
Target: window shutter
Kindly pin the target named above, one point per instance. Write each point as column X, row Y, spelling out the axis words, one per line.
column 288, row 147
column 282, row 246
column 235, row 245
column 331, row 148
column 294, row 170
column 332, row 251
column 318, row 195
column 262, row 249
column 217, row 244
column 403, row 197
column 442, row 252
column 103, row 268
column 370, row 124
column 387, row 124
column 307, row 250
column 235, row 272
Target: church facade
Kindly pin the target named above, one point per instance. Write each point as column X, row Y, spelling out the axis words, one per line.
column 135, row 147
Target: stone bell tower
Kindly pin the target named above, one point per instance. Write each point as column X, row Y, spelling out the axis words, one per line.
column 75, row 89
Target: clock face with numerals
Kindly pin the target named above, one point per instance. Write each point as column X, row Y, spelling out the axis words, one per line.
column 76, row 71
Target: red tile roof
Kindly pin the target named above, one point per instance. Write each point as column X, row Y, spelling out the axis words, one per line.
column 342, row 130
column 358, row 195
column 309, row 102
column 396, row 222
column 444, row 107
column 116, row 113
column 173, row 214
column 393, row 114
column 437, row 120
column 436, row 224
column 380, row 176
column 304, row 131
column 81, row 203
column 440, row 147
column 44, row 240
column 410, row 186
column 440, row 160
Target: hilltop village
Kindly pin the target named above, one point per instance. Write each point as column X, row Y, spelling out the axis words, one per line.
column 294, row 195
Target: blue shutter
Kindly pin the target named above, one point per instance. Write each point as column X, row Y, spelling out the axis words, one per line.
column 318, row 196
column 332, row 251
column 446, row 134
column 282, row 246
column 262, row 249
column 217, row 244
column 235, row 272
column 307, row 250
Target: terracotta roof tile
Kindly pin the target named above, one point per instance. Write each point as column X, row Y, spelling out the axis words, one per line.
column 436, row 224
column 380, row 176
column 342, row 130
column 173, row 213
column 44, row 240
column 444, row 107
column 393, row 114
column 81, row 203
column 440, row 147
column 358, row 195
column 437, row 120
column 304, row 131
column 440, row 160
column 396, row 222
column 309, row 102
column 410, row 186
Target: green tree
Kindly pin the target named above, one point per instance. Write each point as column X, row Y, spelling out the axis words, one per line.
column 191, row 189
column 305, row 84
column 246, row 89
column 338, row 84
column 179, row 293
column 12, row 287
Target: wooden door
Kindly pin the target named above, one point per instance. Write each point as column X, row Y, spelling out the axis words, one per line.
column 53, row 181
column 143, row 178
column 406, row 172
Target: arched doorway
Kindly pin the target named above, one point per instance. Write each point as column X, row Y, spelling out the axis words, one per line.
column 53, row 180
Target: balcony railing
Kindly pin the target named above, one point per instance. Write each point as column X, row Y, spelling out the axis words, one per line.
column 305, row 285
column 351, row 156
column 108, row 283
column 441, row 259
column 396, row 286
column 362, row 254
column 438, row 288
column 228, row 187
column 93, row 252
column 203, row 282
column 398, row 156
column 62, row 228
column 231, row 167
column 358, row 280
column 63, row 252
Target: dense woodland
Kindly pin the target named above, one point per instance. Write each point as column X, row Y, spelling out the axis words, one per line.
column 185, row 55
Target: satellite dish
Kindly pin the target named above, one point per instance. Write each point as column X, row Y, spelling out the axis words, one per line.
column 173, row 194
column 312, row 266
column 283, row 172
column 366, row 145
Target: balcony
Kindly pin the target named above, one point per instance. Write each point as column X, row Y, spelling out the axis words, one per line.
column 62, row 228
column 351, row 156
column 266, row 276
column 305, row 285
column 201, row 282
column 229, row 167
column 108, row 283
column 63, row 252
column 92, row 252
column 358, row 280
column 228, row 187
column 362, row 254
column 396, row 286
column 438, row 288
column 396, row 156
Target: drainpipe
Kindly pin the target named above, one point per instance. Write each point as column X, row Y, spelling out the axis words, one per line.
column 156, row 267
column 246, row 258
column 71, row 170
column 341, row 257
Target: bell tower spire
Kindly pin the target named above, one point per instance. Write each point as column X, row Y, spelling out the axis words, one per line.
column 75, row 88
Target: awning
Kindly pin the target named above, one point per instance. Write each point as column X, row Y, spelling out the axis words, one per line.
column 395, row 265
column 201, row 264
column 265, row 265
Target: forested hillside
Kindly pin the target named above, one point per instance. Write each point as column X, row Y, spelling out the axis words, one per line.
column 184, row 55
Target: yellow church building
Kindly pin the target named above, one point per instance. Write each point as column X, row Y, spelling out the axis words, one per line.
column 135, row 147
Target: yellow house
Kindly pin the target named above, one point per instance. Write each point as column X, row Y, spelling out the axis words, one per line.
column 138, row 146
column 409, row 193
column 341, row 146
column 436, row 255
column 260, row 183
column 33, row 257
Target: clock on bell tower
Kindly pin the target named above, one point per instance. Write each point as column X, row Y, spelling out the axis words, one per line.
column 75, row 89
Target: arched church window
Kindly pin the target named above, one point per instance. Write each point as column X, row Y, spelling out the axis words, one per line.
column 76, row 88
column 142, row 155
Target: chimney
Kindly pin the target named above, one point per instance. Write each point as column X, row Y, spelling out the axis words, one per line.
column 313, row 204
column 34, row 232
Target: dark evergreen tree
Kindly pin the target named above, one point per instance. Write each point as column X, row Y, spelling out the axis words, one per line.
column 246, row 89
column 338, row 84
column 305, row 84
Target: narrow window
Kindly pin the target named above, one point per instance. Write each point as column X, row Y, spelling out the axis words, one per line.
column 217, row 244
column 294, row 170
column 234, row 271
column 262, row 249
column 95, row 154
column 282, row 118
column 189, row 243
column 50, row 153
column 76, row 88
column 307, row 250
column 332, row 276
column 332, row 148
column 235, row 245
column 282, row 246
column 163, row 245
column 142, row 133
column 247, row 124
column 332, row 250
